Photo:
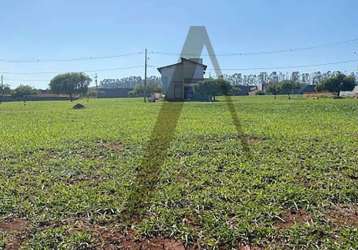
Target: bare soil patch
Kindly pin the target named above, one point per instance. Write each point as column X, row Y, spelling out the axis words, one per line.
column 114, row 238
column 292, row 217
column 13, row 225
column 112, row 146
column 155, row 244
column 248, row 247
column 17, row 229
column 251, row 140
column 344, row 215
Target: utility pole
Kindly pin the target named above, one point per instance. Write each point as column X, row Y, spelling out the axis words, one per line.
column 145, row 74
column 2, row 88
column 96, row 82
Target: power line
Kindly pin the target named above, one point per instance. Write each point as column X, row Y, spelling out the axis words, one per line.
column 268, row 52
column 285, row 67
column 282, row 67
column 89, row 58
column 153, row 66
column 27, row 80
column 289, row 67
column 93, row 58
column 58, row 72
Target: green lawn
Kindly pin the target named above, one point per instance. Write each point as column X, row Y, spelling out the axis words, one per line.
column 66, row 175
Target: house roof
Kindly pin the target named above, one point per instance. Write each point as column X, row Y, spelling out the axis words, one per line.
column 308, row 89
column 182, row 60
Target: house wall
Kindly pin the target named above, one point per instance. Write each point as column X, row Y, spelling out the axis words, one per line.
column 193, row 72
column 349, row 93
column 167, row 77
column 174, row 78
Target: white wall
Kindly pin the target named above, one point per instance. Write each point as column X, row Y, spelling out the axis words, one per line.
column 350, row 93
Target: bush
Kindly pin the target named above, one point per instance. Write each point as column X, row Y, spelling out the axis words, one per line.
column 260, row 92
column 209, row 89
column 337, row 83
column 23, row 91
column 284, row 87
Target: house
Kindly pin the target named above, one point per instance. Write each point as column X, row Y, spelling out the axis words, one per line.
column 307, row 89
column 244, row 90
column 178, row 79
column 113, row 92
column 353, row 93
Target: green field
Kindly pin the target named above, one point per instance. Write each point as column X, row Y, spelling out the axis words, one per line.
column 66, row 175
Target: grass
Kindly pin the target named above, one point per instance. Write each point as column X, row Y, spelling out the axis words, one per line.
column 67, row 175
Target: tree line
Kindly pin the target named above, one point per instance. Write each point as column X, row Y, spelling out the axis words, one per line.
column 77, row 84
column 18, row 92
column 335, row 84
column 211, row 88
column 70, row 84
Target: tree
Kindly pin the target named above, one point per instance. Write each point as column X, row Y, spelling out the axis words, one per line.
column 274, row 89
column 4, row 90
column 211, row 88
column 22, row 91
column 70, row 84
column 151, row 88
column 260, row 92
column 337, row 83
column 285, row 87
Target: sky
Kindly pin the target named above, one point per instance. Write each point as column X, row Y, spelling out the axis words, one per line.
column 33, row 32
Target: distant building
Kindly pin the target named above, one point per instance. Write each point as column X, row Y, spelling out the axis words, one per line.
column 307, row 89
column 245, row 90
column 113, row 92
column 120, row 83
column 179, row 79
column 353, row 93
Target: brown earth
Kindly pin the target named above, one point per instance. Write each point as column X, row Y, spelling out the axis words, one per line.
column 113, row 238
column 344, row 215
column 13, row 225
column 17, row 229
column 292, row 217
